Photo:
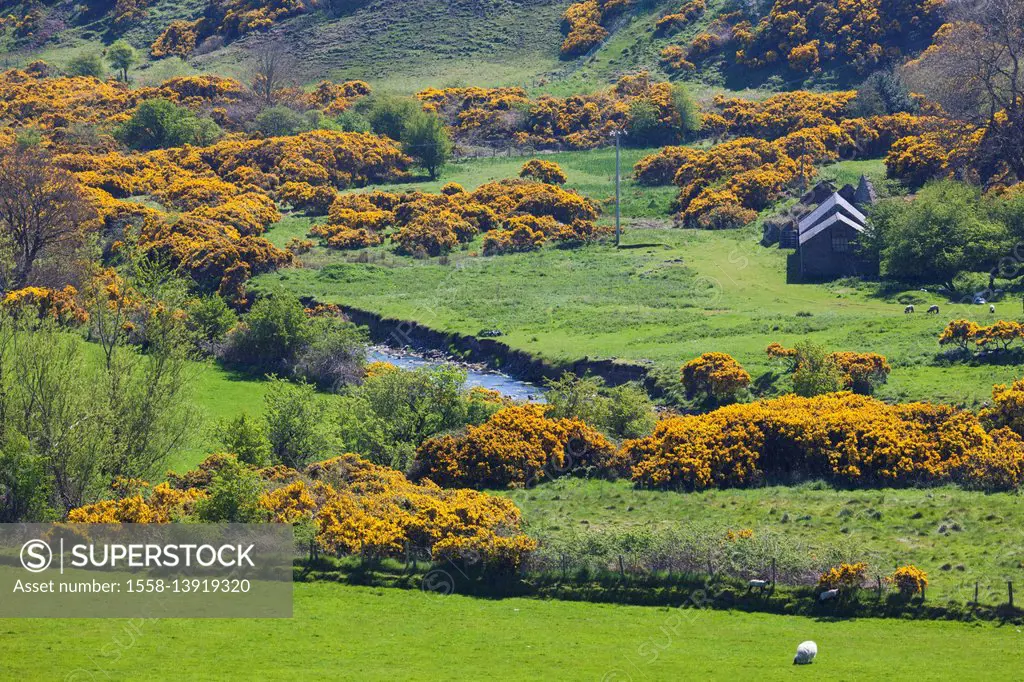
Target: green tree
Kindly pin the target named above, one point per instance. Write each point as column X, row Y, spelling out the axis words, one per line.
column 88, row 64
column 945, row 231
column 883, row 92
column 273, row 333
column 352, row 121
column 630, row 412
column 426, row 139
column 246, row 438
column 159, row 123
column 209, row 320
column 573, row 397
column 233, row 496
column 389, row 115
column 25, row 488
column 296, row 423
column 392, row 413
column 816, row 372
column 624, row 411
column 279, row 121
column 335, row 355
column 688, row 112
column 122, row 57
column 86, row 423
column 644, row 124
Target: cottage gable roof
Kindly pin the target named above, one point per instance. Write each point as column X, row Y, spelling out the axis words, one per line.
column 834, row 204
column 828, row 222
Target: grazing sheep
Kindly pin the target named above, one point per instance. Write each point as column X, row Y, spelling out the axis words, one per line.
column 909, row 309
column 761, row 585
column 805, row 653
column 829, row 594
column 933, row 309
column 991, row 310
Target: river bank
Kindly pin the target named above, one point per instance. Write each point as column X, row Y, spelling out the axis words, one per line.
column 495, row 355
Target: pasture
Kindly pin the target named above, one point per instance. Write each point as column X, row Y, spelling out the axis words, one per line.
column 355, row 633
column 671, row 296
column 958, row 537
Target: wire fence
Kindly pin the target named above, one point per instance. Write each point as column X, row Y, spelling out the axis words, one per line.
column 462, row 154
column 767, row 557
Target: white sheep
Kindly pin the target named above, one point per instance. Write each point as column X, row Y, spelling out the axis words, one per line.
column 991, row 310
column 805, row 653
column 909, row 309
column 829, row 594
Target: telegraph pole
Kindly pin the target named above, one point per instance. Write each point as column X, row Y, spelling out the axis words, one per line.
column 617, row 134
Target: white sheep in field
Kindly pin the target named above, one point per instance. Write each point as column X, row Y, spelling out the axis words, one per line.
column 829, row 594
column 991, row 310
column 805, row 653
column 761, row 585
column 909, row 309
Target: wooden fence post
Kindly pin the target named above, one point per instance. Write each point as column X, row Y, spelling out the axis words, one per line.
column 622, row 567
column 773, row 574
column 1009, row 589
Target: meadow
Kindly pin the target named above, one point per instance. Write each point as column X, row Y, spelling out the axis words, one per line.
column 672, row 295
column 957, row 537
column 356, row 633
column 218, row 394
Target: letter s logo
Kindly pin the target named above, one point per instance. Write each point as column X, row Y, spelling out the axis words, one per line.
column 36, row 556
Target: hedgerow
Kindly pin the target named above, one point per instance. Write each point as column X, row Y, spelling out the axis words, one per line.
column 842, row 438
column 353, row 507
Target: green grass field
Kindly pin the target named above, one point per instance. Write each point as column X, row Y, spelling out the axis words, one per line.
column 218, row 394
column 387, row 634
column 957, row 537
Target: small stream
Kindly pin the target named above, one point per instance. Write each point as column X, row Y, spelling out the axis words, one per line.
column 496, row 381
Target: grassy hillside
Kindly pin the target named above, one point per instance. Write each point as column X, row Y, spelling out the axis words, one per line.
column 631, row 45
column 396, row 45
column 71, row 33
column 361, row 634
